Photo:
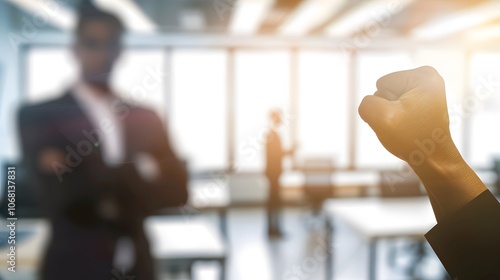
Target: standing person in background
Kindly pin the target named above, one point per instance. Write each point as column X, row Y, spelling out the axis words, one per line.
column 274, row 159
column 85, row 153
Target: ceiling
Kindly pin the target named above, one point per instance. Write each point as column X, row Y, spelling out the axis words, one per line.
column 423, row 19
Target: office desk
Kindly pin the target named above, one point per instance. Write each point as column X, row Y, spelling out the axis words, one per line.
column 378, row 218
column 204, row 196
column 179, row 240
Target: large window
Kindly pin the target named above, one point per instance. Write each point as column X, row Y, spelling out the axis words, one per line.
column 198, row 107
column 191, row 93
column 262, row 83
column 323, row 106
column 370, row 67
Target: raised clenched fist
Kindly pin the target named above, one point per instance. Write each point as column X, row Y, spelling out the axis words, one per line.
column 408, row 113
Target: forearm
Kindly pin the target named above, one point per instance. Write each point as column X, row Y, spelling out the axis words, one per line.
column 169, row 189
column 408, row 113
column 449, row 181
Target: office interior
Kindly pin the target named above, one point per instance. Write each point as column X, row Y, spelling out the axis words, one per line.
column 218, row 68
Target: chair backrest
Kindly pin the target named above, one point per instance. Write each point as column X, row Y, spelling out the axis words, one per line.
column 496, row 169
column 317, row 164
column 395, row 183
column 496, row 165
column 247, row 189
column 317, row 171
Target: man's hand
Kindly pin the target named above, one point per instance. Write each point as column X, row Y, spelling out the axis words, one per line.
column 409, row 115
column 48, row 157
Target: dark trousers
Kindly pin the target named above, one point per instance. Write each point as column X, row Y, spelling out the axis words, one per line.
column 273, row 204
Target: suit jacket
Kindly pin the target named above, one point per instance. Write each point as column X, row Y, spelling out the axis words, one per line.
column 274, row 155
column 76, row 195
column 468, row 241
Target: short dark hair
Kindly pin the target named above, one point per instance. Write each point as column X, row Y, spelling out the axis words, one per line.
column 90, row 13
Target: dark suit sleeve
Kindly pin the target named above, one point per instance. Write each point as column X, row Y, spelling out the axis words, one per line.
column 274, row 154
column 468, row 242
column 170, row 188
column 72, row 194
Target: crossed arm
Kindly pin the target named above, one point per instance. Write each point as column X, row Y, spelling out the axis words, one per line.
column 43, row 145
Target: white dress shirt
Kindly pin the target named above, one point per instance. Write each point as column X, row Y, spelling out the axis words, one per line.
column 99, row 111
column 110, row 128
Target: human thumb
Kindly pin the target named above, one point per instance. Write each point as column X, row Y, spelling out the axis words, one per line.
column 376, row 111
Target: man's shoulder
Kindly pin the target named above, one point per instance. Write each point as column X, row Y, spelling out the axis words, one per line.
column 141, row 114
column 41, row 110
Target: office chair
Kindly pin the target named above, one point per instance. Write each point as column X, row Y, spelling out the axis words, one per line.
column 496, row 169
column 318, row 184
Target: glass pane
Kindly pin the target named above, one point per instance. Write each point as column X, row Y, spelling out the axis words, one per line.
column 139, row 76
column 323, row 106
column 42, row 84
column 483, row 105
column 262, row 83
column 198, row 107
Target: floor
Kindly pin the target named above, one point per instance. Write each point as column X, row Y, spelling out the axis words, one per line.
column 300, row 255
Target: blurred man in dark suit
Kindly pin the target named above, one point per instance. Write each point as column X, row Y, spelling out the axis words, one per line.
column 274, row 158
column 82, row 151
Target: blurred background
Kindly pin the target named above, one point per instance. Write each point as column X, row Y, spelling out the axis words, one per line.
column 221, row 66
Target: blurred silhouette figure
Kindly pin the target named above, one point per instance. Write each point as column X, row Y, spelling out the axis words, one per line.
column 86, row 153
column 274, row 158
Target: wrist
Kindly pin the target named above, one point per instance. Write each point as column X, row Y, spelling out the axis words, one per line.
column 448, row 178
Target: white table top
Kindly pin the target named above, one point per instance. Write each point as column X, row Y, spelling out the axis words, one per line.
column 183, row 238
column 169, row 238
column 384, row 217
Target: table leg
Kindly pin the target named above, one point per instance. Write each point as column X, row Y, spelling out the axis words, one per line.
column 372, row 265
column 222, row 270
column 223, row 223
column 190, row 271
column 329, row 242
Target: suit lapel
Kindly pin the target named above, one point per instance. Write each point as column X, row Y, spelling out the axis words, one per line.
column 74, row 123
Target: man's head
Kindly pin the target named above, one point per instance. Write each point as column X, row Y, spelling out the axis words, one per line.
column 276, row 117
column 97, row 44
